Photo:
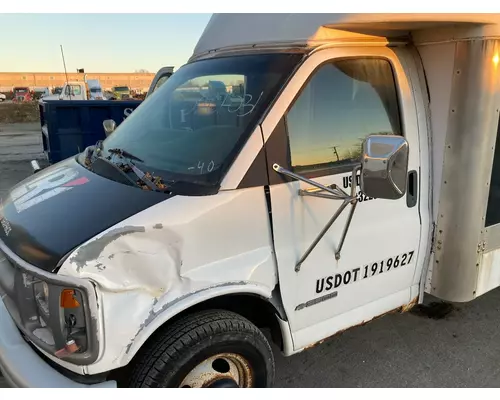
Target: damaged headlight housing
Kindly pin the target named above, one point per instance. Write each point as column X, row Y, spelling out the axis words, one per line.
column 58, row 314
column 55, row 316
column 61, row 319
column 41, row 292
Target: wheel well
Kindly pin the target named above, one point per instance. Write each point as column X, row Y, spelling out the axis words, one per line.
column 256, row 309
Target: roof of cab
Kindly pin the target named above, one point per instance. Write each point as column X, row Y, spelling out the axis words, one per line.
column 225, row 31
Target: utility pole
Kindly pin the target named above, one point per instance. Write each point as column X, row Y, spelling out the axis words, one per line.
column 335, row 153
column 65, row 72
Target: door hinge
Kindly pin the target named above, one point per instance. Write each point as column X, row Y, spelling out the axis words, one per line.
column 481, row 246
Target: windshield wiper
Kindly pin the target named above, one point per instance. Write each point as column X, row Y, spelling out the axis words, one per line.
column 153, row 184
column 124, row 153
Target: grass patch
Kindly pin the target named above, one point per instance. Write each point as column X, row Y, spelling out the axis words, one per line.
column 11, row 113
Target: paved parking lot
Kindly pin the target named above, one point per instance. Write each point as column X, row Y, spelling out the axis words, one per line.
column 460, row 349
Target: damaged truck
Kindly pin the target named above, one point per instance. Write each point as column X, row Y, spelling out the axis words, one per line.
column 286, row 184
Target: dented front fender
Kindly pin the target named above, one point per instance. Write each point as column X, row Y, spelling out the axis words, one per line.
column 170, row 257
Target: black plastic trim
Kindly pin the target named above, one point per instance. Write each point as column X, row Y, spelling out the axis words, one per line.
column 412, row 189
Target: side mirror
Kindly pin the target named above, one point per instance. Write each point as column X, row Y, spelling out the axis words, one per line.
column 109, row 126
column 384, row 171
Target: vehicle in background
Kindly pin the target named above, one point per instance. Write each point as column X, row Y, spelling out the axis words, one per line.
column 72, row 91
column 160, row 78
column 2, row 97
column 22, row 94
column 41, row 92
column 57, row 90
column 120, row 93
column 95, row 89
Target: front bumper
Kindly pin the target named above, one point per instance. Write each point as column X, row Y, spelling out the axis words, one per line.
column 23, row 367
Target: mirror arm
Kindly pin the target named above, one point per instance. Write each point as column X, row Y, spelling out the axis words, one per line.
column 336, row 193
column 303, row 192
column 321, row 234
column 321, row 187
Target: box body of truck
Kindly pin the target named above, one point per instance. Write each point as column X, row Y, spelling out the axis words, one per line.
column 306, row 177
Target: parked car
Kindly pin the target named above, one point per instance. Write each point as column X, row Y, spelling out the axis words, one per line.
column 2, row 97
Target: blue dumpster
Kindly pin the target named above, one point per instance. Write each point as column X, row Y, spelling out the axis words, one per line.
column 69, row 126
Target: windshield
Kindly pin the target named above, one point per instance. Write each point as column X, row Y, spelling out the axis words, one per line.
column 95, row 90
column 193, row 126
column 121, row 89
column 73, row 90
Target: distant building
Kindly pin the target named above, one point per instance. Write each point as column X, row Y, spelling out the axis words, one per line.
column 135, row 81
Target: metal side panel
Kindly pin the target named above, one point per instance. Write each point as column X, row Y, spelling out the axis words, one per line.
column 468, row 155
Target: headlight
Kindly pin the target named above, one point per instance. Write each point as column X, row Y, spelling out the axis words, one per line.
column 41, row 292
column 60, row 318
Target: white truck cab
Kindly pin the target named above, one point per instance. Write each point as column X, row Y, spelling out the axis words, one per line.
column 76, row 90
column 348, row 167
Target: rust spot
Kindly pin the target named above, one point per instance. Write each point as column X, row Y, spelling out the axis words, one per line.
column 402, row 309
column 410, row 305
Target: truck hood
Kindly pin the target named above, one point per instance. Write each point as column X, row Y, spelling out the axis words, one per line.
column 50, row 213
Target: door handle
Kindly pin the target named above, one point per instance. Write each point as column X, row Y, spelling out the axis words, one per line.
column 411, row 193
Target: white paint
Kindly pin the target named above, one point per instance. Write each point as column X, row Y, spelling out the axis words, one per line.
column 438, row 63
column 414, row 69
column 380, row 228
column 312, row 334
column 190, row 249
column 25, row 196
column 286, row 29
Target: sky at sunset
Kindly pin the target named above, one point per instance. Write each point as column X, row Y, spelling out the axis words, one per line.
column 97, row 42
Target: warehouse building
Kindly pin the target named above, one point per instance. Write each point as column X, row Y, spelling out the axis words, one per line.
column 34, row 80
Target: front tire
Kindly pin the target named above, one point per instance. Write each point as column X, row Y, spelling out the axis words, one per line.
column 206, row 349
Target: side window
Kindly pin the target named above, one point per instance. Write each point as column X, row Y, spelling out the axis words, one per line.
column 343, row 102
column 161, row 81
column 493, row 211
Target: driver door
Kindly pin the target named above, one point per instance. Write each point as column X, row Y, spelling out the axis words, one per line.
column 341, row 96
